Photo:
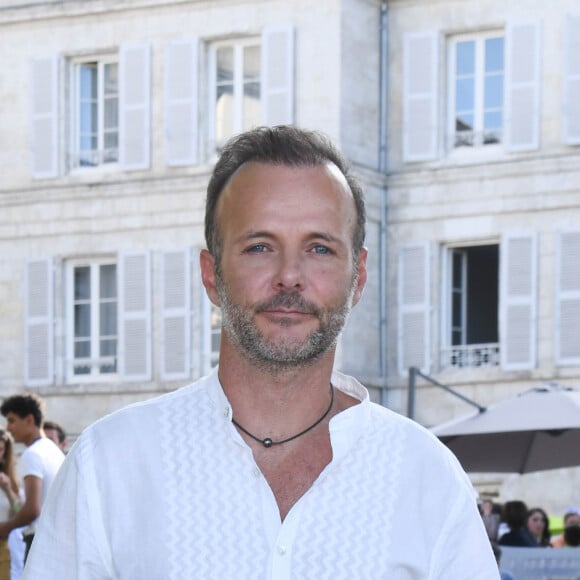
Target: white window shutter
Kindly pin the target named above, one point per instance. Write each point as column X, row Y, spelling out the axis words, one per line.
column 135, row 107
column 414, row 308
column 181, row 102
column 571, row 116
column 135, row 316
column 420, row 96
column 44, row 117
column 518, row 296
column 522, row 86
column 277, row 75
column 176, row 314
column 568, row 299
column 39, row 323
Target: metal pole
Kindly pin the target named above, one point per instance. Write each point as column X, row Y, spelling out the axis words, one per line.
column 411, row 394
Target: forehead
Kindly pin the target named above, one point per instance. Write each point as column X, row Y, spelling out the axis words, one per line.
column 279, row 188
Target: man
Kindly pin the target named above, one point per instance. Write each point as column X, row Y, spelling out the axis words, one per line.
column 56, row 434
column 38, row 465
column 273, row 466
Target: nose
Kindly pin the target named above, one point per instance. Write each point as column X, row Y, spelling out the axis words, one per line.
column 290, row 272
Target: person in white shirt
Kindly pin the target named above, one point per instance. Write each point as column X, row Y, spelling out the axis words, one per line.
column 38, row 463
column 274, row 466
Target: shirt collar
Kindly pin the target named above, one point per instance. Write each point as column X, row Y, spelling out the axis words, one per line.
column 345, row 428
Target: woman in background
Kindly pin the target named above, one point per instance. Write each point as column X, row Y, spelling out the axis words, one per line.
column 9, row 497
column 539, row 525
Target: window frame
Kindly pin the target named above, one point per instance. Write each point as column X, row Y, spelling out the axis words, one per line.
column 95, row 375
column 479, row 91
column 238, row 45
column 74, row 161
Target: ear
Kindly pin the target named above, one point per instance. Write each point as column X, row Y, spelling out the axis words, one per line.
column 207, row 266
column 361, row 267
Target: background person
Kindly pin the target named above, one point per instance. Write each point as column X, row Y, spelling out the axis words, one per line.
column 515, row 514
column 273, row 466
column 571, row 518
column 39, row 462
column 539, row 525
column 9, row 505
column 56, row 434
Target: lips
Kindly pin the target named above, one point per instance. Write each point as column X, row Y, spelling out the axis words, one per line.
column 287, row 304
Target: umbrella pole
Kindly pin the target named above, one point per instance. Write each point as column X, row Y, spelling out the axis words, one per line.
column 414, row 372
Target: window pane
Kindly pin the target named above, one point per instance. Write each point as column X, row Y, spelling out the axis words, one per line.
column 108, row 319
column 111, row 79
column 225, row 64
column 494, row 55
column 82, row 282
column 108, row 281
column 465, row 58
column 493, row 120
column 464, row 123
column 493, row 97
column 224, row 111
column 82, row 350
column 88, row 81
column 464, row 94
column 111, row 113
column 252, row 109
column 82, row 320
column 109, row 349
column 251, row 63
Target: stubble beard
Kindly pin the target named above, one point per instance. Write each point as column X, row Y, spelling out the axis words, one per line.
column 275, row 357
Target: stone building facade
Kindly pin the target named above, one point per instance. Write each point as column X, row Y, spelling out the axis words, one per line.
column 461, row 117
column 483, row 209
column 112, row 114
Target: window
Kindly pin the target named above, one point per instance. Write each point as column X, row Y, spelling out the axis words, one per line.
column 95, row 122
column 235, row 91
column 472, row 296
column 92, row 320
column 476, row 88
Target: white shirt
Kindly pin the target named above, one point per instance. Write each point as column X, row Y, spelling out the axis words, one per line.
column 41, row 459
column 168, row 490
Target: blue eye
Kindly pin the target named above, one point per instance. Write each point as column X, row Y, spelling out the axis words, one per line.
column 321, row 250
column 257, row 249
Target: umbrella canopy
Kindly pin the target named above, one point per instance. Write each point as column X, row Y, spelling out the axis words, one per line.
column 536, row 430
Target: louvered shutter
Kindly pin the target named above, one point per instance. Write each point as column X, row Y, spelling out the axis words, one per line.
column 176, row 314
column 44, row 117
column 134, row 107
column 522, row 88
column 414, row 308
column 181, row 91
column 571, row 117
column 518, row 295
column 277, row 75
column 568, row 299
column 420, row 95
column 39, row 323
column 135, row 316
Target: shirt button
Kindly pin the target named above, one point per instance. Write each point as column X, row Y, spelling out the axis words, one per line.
column 282, row 550
column 256, row 472
column 227, row 412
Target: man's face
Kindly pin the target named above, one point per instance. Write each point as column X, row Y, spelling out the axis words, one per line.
column 287, row 279
column 18, row 427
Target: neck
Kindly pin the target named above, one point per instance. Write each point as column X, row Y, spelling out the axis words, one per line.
column 262, row 402
column 32, row 437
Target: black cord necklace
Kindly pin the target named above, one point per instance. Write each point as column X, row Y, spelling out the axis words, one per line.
column 268, row 442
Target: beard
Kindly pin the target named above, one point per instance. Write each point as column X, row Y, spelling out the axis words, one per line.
column 239, row 324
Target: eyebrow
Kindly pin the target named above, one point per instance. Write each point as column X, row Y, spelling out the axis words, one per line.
column 251, row 235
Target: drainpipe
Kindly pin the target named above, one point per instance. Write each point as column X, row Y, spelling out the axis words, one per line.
column 382, row 168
